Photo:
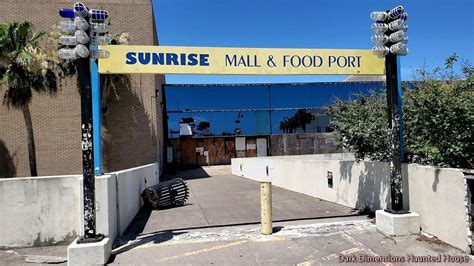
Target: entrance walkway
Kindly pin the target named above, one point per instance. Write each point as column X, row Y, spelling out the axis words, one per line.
column 220, row 199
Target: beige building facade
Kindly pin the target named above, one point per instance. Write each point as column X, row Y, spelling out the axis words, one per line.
column 132, row 122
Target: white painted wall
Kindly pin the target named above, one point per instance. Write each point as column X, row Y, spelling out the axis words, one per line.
column 437, row 194
column 130, row 185
column 356, row 185
column 37, row 211
column 106, row 206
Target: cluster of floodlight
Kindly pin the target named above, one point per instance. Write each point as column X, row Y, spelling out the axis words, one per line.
column 390, row 29
column 82, row 28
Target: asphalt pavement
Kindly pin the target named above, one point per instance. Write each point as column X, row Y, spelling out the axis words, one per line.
column 310, row 242
column 220, row 226
column 224, row 199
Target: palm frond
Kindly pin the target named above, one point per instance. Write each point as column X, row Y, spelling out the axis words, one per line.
column 23, row 33
column 22, row 57
column 35, row 38
column 3, row 26
column 21, row 65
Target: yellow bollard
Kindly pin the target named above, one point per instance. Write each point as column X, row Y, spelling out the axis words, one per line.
column 266, row 208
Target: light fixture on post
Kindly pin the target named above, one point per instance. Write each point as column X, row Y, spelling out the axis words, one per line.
column 380, row 39
column 389, row 28
column 378, row 27
column 381, row 50
column 80, row 9
column 81, row 37
column 76, row 28
column 66, row 13
column 399, row 49
column 77, row 41
column 99, row 14
column 390, row 41
column 378, row 15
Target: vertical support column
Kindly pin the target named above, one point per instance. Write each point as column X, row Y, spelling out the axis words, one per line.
column 269, row 153
column 96, row 114
column 87, row 149
column 394, row 104
column 399, row 94
column 266, row 208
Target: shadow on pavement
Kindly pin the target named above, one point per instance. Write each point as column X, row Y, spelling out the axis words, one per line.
column 139, row 222
column 275, row 228
column 186, row 174
column 195, row 173
column 126, row 243
column 132, row 237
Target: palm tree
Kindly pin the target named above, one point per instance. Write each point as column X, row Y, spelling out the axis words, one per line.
column 300, row 119
column 24, row 70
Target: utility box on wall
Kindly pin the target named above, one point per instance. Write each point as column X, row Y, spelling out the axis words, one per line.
column 330, row 179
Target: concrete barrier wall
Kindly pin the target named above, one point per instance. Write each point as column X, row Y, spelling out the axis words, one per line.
column 39, row 211
column 356, row 185
column 437, row 194
column 130, row 185
column 106, row 206
column 43, row 211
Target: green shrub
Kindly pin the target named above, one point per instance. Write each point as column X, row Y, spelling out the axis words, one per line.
column 438, row 120
column 362, row 125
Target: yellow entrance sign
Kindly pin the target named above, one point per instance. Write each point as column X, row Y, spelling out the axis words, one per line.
column 238, row 61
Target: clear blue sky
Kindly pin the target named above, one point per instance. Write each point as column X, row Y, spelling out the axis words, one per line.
column 437, row 28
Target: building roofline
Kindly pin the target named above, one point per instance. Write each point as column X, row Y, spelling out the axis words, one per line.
column 276, row 84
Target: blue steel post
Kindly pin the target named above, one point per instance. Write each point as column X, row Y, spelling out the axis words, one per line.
column 96, row 114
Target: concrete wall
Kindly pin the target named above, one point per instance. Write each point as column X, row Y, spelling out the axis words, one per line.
column 106, row 206
column 303, row 143
column 39, row 211
column 132, row 124
column 437, row 194
column 130, row 185
column 45, row 211
column 356, row 185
